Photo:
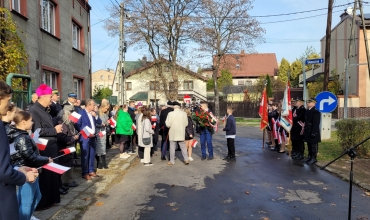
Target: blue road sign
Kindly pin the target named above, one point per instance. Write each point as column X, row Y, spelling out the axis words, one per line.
column 314, row 61
column 326, row 102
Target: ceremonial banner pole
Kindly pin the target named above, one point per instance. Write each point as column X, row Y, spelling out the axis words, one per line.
column 262, row 112
column 263, row 139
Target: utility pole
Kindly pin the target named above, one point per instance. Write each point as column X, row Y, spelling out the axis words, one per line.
column 351, row 38
column 327, row 46
column 121, row 63
column 365, row 35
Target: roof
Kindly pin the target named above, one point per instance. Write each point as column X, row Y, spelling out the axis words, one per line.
column 250, row 65
column 140, row 96
column 163, row 61
column 132, row 65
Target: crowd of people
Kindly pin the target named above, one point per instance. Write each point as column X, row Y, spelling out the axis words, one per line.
column 93, row 128
column 305, row 128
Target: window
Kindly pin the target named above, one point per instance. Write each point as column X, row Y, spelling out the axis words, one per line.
column 50, row 78
column 117, row 87
column 188, row 85
column 241, row 83
column 101, row 77
column 76, row 36
column 16, row 5
column 48, row 16
column 128, row 86
column 109, row 77
column 110, row 87
column 100, row 86
column 78, row 87
column 248, row 83
column 154, row 85
column 237, row 66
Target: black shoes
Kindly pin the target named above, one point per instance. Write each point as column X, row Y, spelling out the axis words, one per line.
column 71, row 184
column 232, row 159
column 163, row 158
column 104, row 162
column 226, row 158
column 312, row 161
column 62, row 191
column 204, row 158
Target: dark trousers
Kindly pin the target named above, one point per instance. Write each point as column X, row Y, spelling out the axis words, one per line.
column 141, row 152
column 88, row 155
column 130, row 144
column 313, row 149
column 231, row 147
column 165, row 143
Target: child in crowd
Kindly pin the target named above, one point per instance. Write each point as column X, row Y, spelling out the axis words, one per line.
column 27, row 155
column 230, row 128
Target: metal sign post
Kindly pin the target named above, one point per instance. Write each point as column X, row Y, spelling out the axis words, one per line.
column 308, row 62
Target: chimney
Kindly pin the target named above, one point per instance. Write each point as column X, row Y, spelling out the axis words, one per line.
column 242, row 52
column 349, row 11
column 144, row 61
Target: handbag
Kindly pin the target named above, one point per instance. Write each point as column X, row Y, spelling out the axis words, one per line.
column 146, row 141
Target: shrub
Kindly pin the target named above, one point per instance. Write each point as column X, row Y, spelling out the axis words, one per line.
column 351, row 132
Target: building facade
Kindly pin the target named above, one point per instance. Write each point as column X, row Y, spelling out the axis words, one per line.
column 103, row 79
column 359, row 82
column 56, row 35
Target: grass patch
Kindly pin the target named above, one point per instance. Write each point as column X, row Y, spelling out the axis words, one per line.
column 329, row 149
column 255, row 120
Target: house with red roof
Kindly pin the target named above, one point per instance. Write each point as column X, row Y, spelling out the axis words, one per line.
column 247, row 68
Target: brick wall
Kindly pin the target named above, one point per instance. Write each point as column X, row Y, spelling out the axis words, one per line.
column 363, row 112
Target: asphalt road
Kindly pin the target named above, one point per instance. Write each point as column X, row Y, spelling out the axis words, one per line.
column 260, row 185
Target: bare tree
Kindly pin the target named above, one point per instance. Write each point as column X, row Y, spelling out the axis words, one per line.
column 224, row 27
column 162, row 27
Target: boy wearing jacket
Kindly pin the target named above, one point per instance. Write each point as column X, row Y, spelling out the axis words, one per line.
column 230, row 128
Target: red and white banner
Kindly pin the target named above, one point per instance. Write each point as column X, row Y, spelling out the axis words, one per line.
column 112, row 122
column 153, row 125
column 133, row 126
column 56, row 168
column 263, row 113
column 286, row 120
column 74, row 117
column 68, row 150
column 40, row 142
column 102, row 133
column 154, row 118
column 194, row 144
column 86, row 132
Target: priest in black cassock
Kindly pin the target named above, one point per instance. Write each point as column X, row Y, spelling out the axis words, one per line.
column 49, row 181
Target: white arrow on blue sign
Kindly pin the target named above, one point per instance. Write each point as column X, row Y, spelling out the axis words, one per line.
column 314, row 61
column 326, row 102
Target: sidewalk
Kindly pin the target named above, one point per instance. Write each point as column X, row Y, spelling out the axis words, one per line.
column 74, row 204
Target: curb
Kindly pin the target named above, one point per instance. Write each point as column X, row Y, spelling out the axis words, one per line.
column 76, row 202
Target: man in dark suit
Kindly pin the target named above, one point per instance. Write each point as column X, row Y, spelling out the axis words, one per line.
column 55, row 107
column 312, row 131
column 296, row 134
column 88, row 118
column 10, row 177
column 72, row 99
column 163, row 127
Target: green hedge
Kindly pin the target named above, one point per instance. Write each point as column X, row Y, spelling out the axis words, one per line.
column 351, row 132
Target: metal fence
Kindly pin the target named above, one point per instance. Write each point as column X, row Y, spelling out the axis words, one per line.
column 20, row 99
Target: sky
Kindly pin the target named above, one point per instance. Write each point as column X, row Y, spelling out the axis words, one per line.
column 287, row 39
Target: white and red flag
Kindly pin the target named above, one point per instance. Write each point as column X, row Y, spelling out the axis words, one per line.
column 286, row 120
column 154, row 118
column 40, row 142
column 68, row 150
column 86, row 132
column 263, row 113
column 102, row 133
column 133, row 126
column 74, row 117
column 153, row 125
column 112, row 122
column 56, row 168
column 194, row 144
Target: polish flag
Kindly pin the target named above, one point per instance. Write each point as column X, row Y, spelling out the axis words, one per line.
column 36, row 134
column 154, row 118
column 112, row 122
column 41, row 143
column 56, row 168
column 86, row 132
column 68, row 150
column 153, row 125
column 74, row 117
column 194, row 144
column 102, row 133
column 133, row 126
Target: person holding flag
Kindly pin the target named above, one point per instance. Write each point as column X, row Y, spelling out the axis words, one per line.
column 296, row 134
column 67, row 139
column 49, row 181
column 27, row 154
column 88, row 121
